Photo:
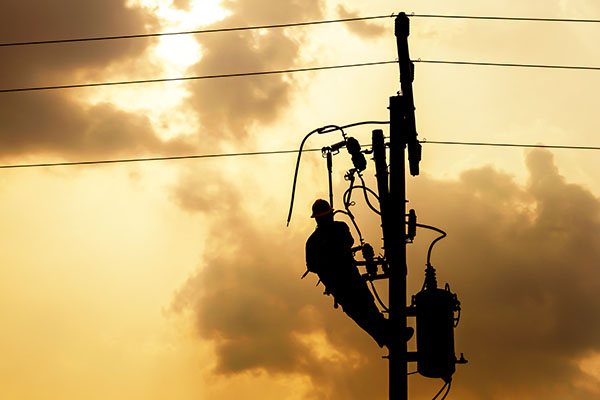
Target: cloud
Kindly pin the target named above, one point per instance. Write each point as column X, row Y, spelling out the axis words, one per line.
column 228, row 108
column 249, row 300
column 50, row 123
column 524, row 263
column 362, row 28
column 64, row 19
column 522, row 259
column 54, row 122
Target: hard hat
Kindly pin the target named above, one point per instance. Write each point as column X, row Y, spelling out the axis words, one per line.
column 320, row 207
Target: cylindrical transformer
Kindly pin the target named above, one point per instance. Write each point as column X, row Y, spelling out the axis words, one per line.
column 435, row 332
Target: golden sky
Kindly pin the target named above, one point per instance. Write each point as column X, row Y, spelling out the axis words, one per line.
column 179, row 279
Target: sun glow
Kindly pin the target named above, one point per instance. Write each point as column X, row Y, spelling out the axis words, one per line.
column 179, row 52
column 170, row 57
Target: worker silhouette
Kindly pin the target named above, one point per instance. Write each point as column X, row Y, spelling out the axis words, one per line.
column 329, row 255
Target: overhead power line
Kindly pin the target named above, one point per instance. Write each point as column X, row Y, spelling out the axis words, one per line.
column 194, row 32
column 286, row 25
column 519, row 65
column 273, row 152
column 170, row 158
column 541, row 146
column 294, row 70
column 575, row 20
column 190, row 78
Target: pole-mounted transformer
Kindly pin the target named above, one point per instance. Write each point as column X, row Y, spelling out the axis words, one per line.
column 437, row 312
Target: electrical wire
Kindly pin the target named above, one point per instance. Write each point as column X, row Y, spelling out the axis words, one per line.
column 366, row 192
column 542, row 146
column 130, row 160
column 447, row 390
column 200, row 77
column 271, row 26
column 347, row 204
column 256, row 153
column 433, row 228
column 194, row 32
column 293, row 70
column 495, row 64
column 440, row 392
column 349, row 214
column 322, row 130
column 285, row 71
column 503, row 18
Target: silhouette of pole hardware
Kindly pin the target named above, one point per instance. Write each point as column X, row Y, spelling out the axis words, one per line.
column 358, row 158
column 331, row 255
column 433, row 308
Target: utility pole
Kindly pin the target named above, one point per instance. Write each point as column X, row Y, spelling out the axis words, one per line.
column 434, row 308
column 402, row 135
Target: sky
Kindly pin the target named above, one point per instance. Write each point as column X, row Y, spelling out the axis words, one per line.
column 180, row 280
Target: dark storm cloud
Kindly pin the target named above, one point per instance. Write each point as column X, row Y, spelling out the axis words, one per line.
column 523, row 260
column 228, row 107
column 362, row 28
column 52, row 122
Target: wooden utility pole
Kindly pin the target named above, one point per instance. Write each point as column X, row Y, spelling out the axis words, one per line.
column 402, row 135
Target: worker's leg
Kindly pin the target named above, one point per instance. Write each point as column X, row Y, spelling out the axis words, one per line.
column 367, row 316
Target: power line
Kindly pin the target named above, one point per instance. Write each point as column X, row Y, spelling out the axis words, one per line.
column 189, row 78
column 505, row 18
column 146, row 35
column 294, row 70
column 541, row 146
column 259, row 153
column 494, row 64
column 131, row 160
column 272, row 26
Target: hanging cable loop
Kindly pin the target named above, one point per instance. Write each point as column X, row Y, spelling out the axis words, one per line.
column 433, row 228
column 323, row 130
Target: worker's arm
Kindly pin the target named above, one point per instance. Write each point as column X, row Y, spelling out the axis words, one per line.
column 347, row 238
column 310, row 257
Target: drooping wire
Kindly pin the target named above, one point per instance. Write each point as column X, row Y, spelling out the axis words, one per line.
column 348, row 203
column 430, row 269
column 349, row 214
column 367, row 190
column 433, row 228
column 447, row 390
column 322, row 130
column 440, row 392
